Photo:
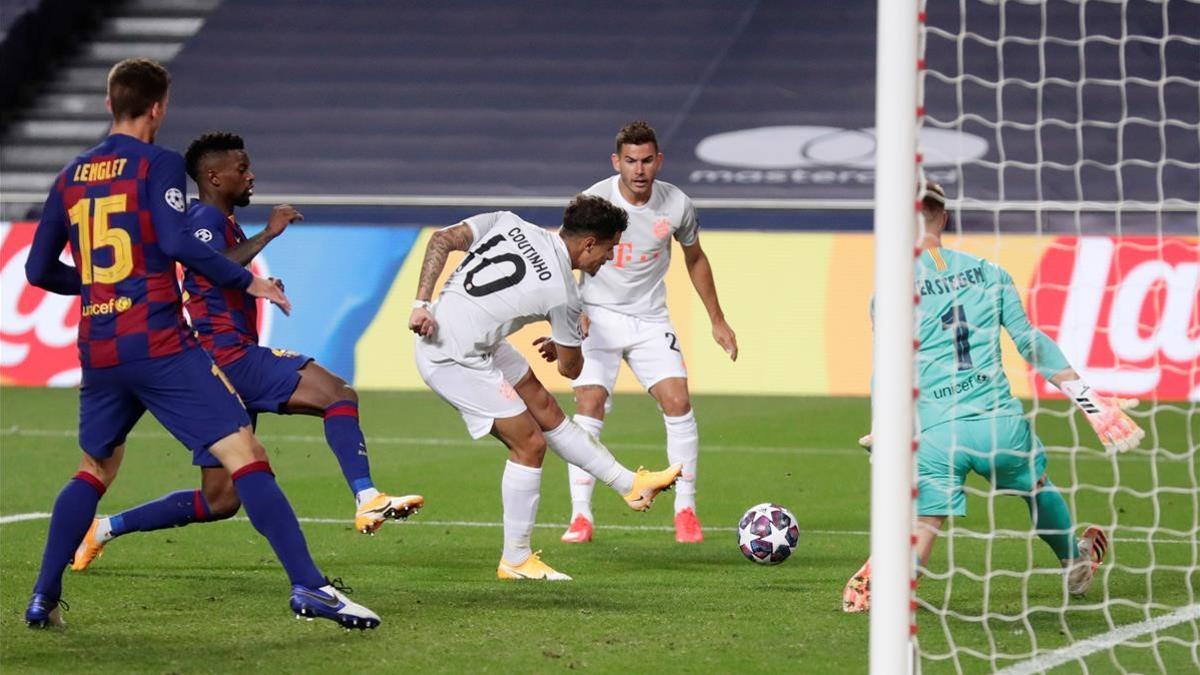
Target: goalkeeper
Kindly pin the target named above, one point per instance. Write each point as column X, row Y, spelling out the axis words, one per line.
column 968, row 417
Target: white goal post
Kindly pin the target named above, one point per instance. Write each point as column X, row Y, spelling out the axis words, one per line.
column 892, row 425
column 1080, row 175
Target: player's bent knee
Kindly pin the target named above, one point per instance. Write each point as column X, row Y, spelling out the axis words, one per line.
column 103, row 469
column 675, row 406
column 672, row 396
column 238, row 449
column 223, row 504
column 590, row 399
column 530, row 454
column 529, row 449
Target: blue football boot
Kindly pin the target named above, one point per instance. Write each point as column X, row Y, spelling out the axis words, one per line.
column 43, row 612
column 330, row 602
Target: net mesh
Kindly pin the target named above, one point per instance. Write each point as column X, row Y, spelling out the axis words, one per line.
column 1067, row 137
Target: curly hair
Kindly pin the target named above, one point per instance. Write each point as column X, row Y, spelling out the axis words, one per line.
column 595, row 216
column 210, row 143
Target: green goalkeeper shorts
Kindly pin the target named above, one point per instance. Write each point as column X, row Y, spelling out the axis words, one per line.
column 1003, row 450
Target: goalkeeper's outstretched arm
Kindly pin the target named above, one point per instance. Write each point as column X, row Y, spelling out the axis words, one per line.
column 1117, row 431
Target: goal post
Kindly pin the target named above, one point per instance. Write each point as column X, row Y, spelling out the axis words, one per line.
column 1067, row 137
column 892, row 402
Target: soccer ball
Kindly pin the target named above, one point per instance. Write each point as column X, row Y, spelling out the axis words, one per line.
column 767, row 534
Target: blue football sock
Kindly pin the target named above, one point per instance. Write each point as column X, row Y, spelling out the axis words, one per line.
column 345, row 438
column 173, row 510
column 1052, row 520
column 272, row 515
column 73, row 513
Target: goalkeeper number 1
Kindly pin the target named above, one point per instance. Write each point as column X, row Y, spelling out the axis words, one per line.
column 968, row 418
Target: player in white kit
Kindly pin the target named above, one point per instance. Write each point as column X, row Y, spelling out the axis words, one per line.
column 516, row 273
column 625, row 306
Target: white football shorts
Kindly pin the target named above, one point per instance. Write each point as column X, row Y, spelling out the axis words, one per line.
column 481, row 391
column 649, row 346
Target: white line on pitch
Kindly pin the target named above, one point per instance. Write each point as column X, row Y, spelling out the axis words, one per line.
column 1100, row 643
column 18, row 517
column 449, row 442
column 456, row 443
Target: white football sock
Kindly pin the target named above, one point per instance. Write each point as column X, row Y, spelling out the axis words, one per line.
column 582, row 483
column 363, row 496
column 683, row 447
column 104, row 530
column 520, row 492
column 582, row 449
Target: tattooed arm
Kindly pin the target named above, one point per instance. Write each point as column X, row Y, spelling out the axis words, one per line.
column 456, row 238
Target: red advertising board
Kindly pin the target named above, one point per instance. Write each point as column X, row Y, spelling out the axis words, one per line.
column 1125, row 312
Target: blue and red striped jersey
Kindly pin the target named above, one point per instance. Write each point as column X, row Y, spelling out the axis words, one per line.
column 225, row 319
column 120, row 206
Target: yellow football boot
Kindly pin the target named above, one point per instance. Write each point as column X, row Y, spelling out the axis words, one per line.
column 532, row 568
column 89, row 549
column 370, row 516
column 647, row 485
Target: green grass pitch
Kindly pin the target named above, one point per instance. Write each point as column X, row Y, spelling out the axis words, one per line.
column 212, row 598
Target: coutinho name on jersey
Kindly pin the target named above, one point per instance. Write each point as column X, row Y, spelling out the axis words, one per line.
column 527, row 250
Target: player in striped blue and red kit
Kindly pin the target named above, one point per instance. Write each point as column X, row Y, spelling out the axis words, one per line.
column 267, row 380
column 120, row 207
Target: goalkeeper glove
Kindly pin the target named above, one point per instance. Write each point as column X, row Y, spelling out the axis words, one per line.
column 1117, row 431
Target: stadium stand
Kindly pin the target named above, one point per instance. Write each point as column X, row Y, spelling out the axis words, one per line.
column 438, row 100
column 11, row 11
column 53, row 65
column 752, row 101
column 516, row 99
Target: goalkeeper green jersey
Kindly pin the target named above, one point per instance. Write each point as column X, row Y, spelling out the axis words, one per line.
column 964, row 300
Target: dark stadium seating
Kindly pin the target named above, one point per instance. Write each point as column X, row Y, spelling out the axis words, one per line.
column 10, row 11
column 510, row 99
column 473, row 98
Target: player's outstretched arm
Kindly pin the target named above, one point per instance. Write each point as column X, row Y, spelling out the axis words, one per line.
column 700, row 270
column 281, row 216
column 445, row 240
column 1116, row 430
column 43, row 267
column 1035, row 346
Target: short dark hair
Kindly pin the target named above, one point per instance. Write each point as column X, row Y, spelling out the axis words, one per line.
column 134, row 85
column 933, row 198
column 636, row 133
column 595, row 216
column 208, row 144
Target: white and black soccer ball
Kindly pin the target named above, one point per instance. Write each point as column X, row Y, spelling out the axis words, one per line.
column 767, row 534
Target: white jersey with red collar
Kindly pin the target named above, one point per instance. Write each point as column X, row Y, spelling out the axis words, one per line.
column 632, row 282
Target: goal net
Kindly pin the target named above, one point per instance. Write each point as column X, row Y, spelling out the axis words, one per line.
column 1067, row 138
